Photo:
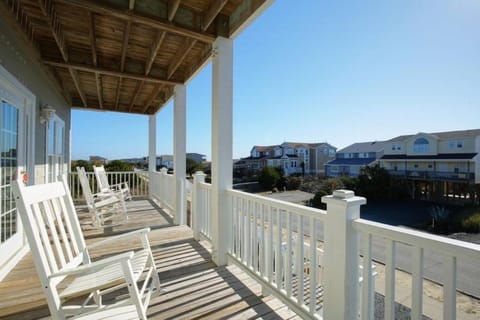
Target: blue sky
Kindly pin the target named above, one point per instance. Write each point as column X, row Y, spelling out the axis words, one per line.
column 315, row 71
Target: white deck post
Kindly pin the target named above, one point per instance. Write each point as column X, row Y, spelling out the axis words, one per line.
column 152, row 150
column 222, row 120
column 341, row 256
column 179, row 152
column 197, row 204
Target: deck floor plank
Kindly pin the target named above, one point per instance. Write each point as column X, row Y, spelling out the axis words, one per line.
column 195, row 288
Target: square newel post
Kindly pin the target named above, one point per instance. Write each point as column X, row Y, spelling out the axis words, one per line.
column 196, row 210
column 152, row 150
column 341, row 258
column 222, row 113
column 179, row 152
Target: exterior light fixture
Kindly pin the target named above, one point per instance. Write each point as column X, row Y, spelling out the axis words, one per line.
column 46, row 114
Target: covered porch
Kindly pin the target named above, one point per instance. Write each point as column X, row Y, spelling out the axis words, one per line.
column 239, row 250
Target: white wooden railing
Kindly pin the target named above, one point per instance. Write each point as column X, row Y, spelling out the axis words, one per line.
column 268, row 241
column 276, row 242
column 201, row 207
column 136, row 180
column 162, row 189
column 450, row 251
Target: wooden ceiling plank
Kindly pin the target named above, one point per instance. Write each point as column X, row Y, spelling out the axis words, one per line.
column 141, row 19
column 172, row 8
column 126, row 34
column 212, row 11
column 179, row 56
column 74, row 75
column 112, row 73
column 135, row 95
column 92, row 38
column 98, row 80
column 154, row 50
column 152, row 97
column 33, row 50
column 48, row 10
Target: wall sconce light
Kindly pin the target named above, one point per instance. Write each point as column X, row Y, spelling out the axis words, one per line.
column 46, row 114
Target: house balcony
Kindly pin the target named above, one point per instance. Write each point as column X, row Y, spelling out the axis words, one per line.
column 434, row 175
column 284, row 261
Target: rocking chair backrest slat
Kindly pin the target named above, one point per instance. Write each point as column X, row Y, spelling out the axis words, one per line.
column 87, row 192
column 102, row 179
column 51, row 227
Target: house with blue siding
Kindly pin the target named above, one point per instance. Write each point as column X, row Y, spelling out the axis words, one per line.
column 350, row 160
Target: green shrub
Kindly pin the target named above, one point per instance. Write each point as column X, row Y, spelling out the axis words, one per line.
column 469, row 220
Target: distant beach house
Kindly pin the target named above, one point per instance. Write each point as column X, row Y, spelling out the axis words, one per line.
column 350, row 160
column 437, row 163
column 292, row 157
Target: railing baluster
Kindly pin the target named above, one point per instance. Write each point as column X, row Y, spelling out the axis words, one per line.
column 288, row 256
column 417, row 283
column 270, row 246
column 262, row 240
column 248, row 234
column 313, row 266
column 390, row 280
column 255, row 236
column 368, row 286
column 300, row 261
column 449, row 288
column 278, row 251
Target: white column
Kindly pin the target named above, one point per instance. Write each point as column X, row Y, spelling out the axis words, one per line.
column 341, row 257
column 179, row 152
column 222, row 114
column 152, row 148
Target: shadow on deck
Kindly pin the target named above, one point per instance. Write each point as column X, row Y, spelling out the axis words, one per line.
column 194, row 286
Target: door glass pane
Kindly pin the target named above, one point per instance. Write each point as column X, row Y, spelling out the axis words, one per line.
column 8, row 157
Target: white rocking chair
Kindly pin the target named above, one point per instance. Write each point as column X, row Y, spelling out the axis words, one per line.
column 103, row 206
column 60, row 253
column 105, row 187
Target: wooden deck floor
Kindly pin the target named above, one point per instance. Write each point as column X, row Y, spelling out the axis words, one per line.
column 194, row 287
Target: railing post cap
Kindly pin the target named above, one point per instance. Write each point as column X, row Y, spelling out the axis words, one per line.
column 344, row 196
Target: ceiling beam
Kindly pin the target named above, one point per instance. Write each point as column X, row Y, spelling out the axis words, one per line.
column 152, row 97
column 179, row 56
column 213, row 10
column 172, row 8
column 154, row 50
column 98, row 80
column 74, row 75
column 113, row 73
column 48, row 9
column 117, row 92
column 135, row 17
column 126, row 34
column 93, row 42
column 135, row 95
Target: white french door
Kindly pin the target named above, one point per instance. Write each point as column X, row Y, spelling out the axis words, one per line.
column 16, row 157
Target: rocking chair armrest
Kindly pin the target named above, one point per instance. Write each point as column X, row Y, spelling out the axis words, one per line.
column 138, row 232
column 94, row 266
column 119, row 186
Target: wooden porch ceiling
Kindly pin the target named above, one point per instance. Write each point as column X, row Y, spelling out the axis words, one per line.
column 125, row 55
